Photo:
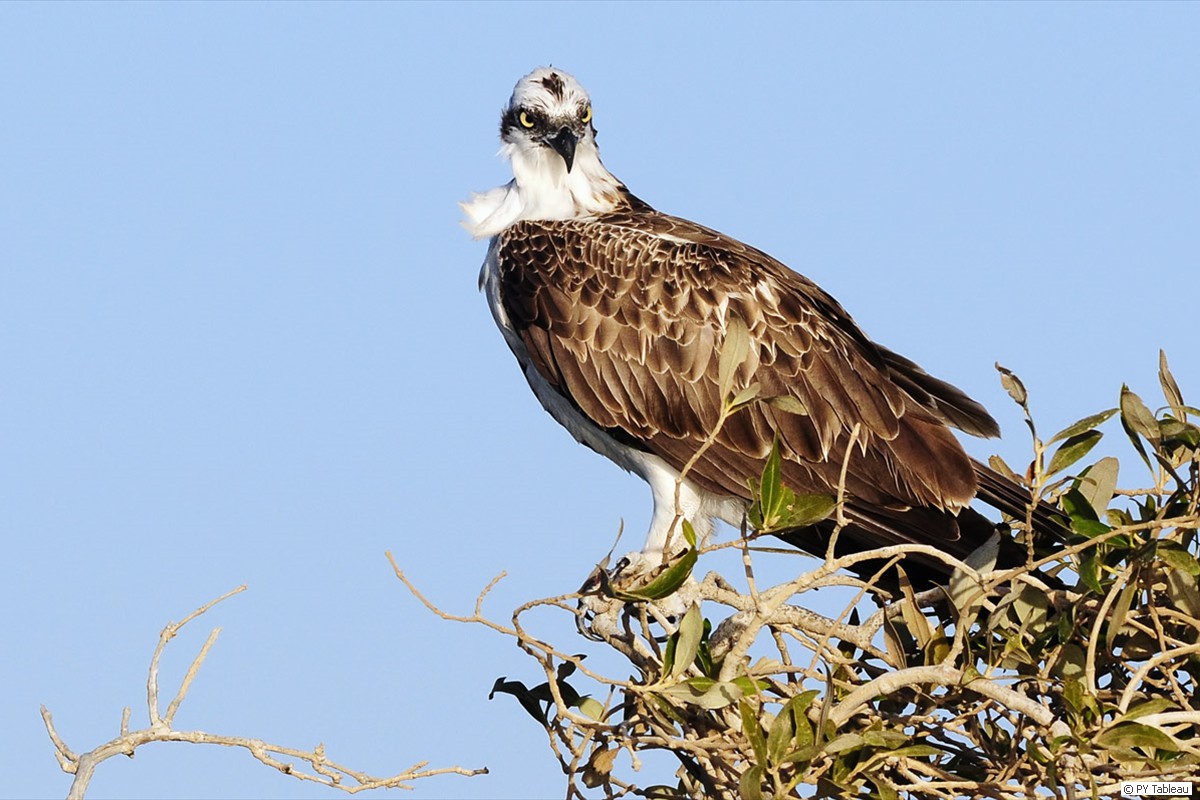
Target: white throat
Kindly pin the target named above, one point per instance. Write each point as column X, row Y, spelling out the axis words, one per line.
column 542, row 188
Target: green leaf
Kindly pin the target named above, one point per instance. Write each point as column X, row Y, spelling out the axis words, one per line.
column 748, row 685
column 1012, row 384
column 1082, row 515
column 703, row 692
column 1076, row 504
column 938, row 649
column 1032, row 609
column 770, row 488
column 753, row 732
column 745, row 396
column 914, row 620
column 1177, row 556
column 1073, row 694
column 1118, row 517
column 915, row 751
column 1098, row 482
column 780, row 736
column 1085, row 424
column 1070, row 662
column 1073, row 449
column 1089, row 528
column 893, row 643
column 734, row 351
column 691, row 630
column 1170, row 387
column 997, row 463
column 801, row 755
column 1184, row 591
column 1140, row 418
column 802, row 701
column 665, row 584
column 591, row 707
column 1134, row 734
column 1089, row 571
column 789, row 403
column 884, row 791
column 889, row 740
column 1118, row 613
column 806, row 509
column 750, row 784
column 704, row 655
column 1151, row 706
column 1180, row 433
column 845, row 742
column 689, row 534
column 1138, row 421
column 668, row 661
column 777, row 507
column 798, row 707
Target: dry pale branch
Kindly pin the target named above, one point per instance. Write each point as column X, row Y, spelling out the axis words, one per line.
column 939, row 675
column 703, row 741
column 323, row 771
column 1059, row 678
column 946, row 698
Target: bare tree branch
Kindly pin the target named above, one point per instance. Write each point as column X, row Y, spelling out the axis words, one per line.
column 1062, row 677
column 323, row 771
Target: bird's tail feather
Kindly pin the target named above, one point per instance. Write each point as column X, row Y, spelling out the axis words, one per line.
column 958, row 535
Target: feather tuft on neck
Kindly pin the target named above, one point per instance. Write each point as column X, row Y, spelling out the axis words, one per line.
column 542, row 188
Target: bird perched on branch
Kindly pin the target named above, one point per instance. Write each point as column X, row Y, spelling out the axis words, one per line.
column 621, row 318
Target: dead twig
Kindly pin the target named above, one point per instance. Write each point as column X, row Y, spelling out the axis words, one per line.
column 323, row 771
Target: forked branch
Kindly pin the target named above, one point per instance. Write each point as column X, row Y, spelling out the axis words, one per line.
column 322, row 770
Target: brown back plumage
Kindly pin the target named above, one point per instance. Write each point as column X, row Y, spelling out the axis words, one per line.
column 624, row 315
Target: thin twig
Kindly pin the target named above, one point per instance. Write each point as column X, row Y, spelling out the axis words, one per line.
column 169, row 717
column 325, row 772
column 168, row 633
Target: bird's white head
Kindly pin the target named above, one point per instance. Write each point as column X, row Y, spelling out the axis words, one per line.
column 547, row 133
column 547, row 120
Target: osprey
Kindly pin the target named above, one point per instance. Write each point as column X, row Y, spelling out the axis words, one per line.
column 618, row 313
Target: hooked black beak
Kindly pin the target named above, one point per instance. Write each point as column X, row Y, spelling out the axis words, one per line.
column 564, row 144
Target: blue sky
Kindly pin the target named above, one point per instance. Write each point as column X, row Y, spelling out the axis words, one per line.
column 241, row 339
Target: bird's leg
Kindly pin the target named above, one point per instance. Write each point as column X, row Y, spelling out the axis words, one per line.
column 675, row 500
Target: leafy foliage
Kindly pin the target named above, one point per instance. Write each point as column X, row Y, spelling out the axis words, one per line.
column 776, row 507
column 1006, row 684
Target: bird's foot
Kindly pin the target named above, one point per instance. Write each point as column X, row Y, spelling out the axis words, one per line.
column 638, row 568
column 642, row 577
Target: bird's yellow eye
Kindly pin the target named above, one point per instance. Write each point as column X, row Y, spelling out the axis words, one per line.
column 587, row 116
column 525, row 120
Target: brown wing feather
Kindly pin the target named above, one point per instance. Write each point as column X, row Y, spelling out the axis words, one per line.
column 625, row 316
